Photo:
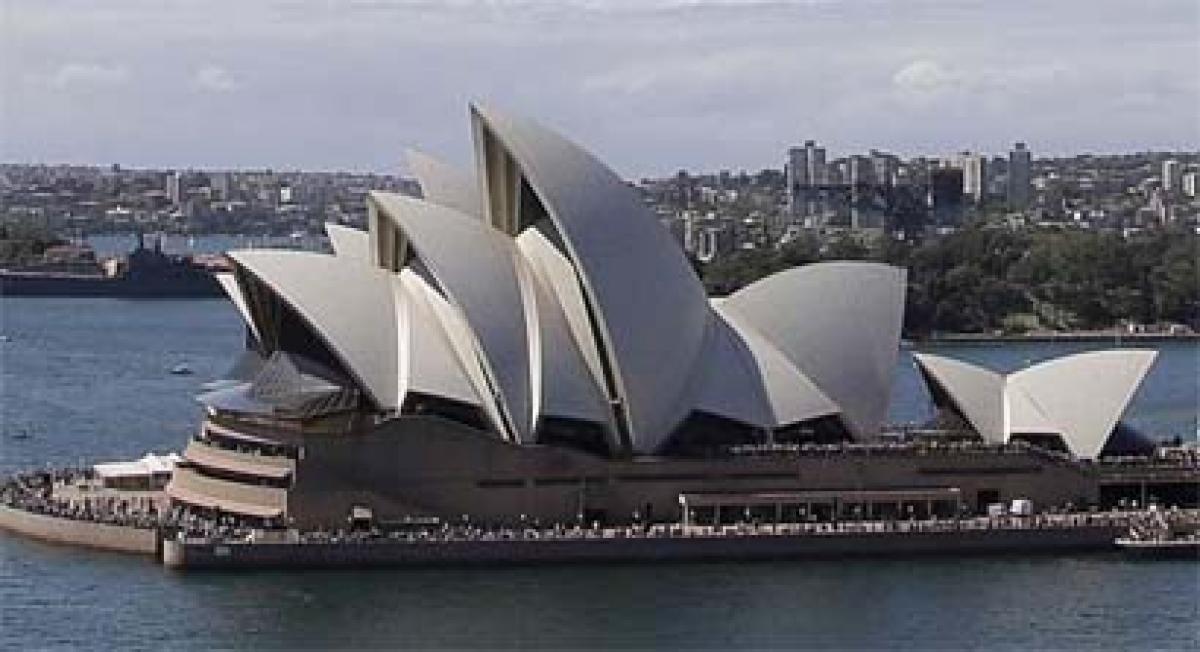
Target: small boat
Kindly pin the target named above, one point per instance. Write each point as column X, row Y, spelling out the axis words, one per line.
column 181, row 369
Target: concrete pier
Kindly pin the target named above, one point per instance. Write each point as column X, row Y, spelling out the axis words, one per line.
column 670, row 545
column 89, row 534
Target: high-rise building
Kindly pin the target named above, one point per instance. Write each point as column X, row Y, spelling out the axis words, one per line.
column 219, row 182
column 996, row 171
column 816, row 163
column 1172, row 176
column 946, row 196
column 886, row 167
column 862, row 171
column 174, row 187
column 974, row 168
column 805, row 170
column 1190, row 182
column 1020, row 164
column 797, row 179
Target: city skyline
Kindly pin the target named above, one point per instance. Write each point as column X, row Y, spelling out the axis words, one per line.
column 695, row 85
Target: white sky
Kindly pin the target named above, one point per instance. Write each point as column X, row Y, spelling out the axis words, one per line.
column 651, row 85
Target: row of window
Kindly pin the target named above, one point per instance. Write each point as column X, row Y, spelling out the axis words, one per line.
column 574, row 481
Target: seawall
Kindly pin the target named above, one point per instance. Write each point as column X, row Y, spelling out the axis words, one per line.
column 103, row 536
column 209, row 555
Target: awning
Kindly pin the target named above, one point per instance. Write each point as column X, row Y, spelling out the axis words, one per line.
column 149, row 464
column 696, row 499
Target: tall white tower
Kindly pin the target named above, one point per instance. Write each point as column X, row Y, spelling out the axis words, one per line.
column 1172, row 176
column 974, row 167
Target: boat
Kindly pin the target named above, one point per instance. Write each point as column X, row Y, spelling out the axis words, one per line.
column 181, row 369
column 146, row 273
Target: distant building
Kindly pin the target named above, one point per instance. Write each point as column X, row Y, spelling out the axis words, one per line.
column 220, row 184
column 797, row 178
column 1172, row 176
column 996, row 175
column 713, row 241
column 974, row 169
column 175, row 188
column 816, row 163
column 1050, row 196
column 862, row 171
column 1189, row 183
column 1020, row 163
column 946, row 196
column 806, row 170
column 885, row 167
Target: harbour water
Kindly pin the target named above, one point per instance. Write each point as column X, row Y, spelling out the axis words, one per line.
column 88, row 380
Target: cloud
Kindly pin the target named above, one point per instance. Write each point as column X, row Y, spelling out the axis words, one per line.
column 69, row 76
column 924, row 77
column 214, row 79
column 719, row 68
column 924, row 81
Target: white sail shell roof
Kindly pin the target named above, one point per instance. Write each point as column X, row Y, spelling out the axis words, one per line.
column 563, row 385
column 747, row 379
column 1080, row 397
column 474, row 266
column 553, row 270
column 411, row 349
column 230, row 285
column 348, row 304
column 549, row 290
column 444, row 184
column 348, row 242
column 429, row 363
column 1085, row 394
column 650, row 310
column 976, row 392
column 839, row 322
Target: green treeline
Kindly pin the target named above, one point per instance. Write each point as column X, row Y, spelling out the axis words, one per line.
column 986, row 279
column 22, row 244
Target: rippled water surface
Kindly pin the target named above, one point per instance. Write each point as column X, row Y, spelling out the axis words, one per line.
column 87, row 379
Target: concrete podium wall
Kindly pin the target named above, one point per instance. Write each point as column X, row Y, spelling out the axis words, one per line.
column 206, row 555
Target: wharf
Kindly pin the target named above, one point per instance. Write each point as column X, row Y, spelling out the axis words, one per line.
column 1007, row 535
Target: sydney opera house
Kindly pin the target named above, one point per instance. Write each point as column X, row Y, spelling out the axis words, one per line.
column 527, row 342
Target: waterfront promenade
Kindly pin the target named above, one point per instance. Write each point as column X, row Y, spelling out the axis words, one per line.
column 69, row 506
column 1058, row 533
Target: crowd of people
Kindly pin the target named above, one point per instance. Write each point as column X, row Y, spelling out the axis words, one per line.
column 1172, row 456
column 463, row 532
column 38, row 492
